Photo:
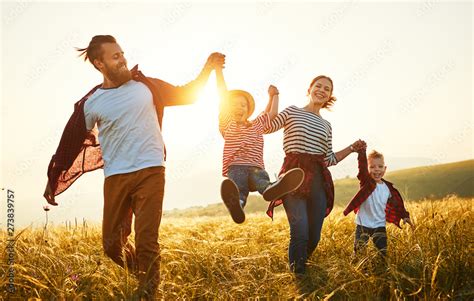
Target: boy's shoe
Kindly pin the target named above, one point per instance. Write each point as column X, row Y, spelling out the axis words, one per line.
column 290, row 181
column 230, row 196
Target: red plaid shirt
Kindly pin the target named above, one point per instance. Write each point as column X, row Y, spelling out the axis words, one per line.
column 395, row 209
column 307, row 162
column 79, row 151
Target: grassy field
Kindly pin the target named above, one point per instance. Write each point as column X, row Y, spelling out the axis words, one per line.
column 427, row 182
column 212, row 258
column 421, row 182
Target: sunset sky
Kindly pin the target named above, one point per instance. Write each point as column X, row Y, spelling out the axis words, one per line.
column 402, row 75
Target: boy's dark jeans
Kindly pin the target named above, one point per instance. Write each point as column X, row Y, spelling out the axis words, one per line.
column 379, row 237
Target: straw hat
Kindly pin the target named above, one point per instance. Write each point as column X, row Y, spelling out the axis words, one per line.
column 248, row 97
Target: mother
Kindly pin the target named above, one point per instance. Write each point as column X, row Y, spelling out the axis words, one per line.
column 307, row 144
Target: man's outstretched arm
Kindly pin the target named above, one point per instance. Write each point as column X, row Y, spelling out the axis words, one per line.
column 182, row 95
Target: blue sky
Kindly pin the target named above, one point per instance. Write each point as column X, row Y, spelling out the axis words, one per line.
column 402, row 74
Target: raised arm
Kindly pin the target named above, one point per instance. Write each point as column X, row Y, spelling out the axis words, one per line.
column 272, row 106
column 363, row 174
column 221, row 87
column 187, row 94
column 278, row 122
column 224, row 105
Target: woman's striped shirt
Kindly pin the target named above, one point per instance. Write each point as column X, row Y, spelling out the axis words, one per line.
column 304, row 132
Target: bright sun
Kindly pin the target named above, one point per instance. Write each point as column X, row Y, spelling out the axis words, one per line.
column 207, row 105
column 208, row 96
column 193, row 121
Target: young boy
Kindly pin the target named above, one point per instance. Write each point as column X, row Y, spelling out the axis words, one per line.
column 376, row 203
column 243, row 150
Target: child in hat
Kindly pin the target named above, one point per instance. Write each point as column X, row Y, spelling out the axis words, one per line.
column 243, row 150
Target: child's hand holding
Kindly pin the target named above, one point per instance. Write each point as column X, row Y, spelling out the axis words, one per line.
column 359, row 145
column 216, row 61
column 272, row 91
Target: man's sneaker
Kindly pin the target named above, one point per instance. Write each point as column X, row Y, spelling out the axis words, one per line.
column 230, row 196
column 290, row 181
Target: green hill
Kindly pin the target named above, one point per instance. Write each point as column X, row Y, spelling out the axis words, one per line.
column 417, row 183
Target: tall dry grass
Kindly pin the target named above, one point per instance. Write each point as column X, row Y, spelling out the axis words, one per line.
column 213, row 258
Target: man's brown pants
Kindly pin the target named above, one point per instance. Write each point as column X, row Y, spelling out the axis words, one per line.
column 138, row 193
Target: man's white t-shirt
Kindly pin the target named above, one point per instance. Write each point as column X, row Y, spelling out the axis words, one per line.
column 372, row 212
column 129, row 132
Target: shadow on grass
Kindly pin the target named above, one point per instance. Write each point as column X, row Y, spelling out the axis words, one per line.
column 309, row 283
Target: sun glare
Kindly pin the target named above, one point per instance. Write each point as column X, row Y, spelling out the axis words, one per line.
column 207, row 104
column 194, row 122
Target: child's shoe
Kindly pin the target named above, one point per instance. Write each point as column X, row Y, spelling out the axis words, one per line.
column 230, row 196
column 290, row 181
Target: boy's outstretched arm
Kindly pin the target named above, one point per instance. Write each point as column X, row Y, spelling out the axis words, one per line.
column 272, row 106
column 363, row 174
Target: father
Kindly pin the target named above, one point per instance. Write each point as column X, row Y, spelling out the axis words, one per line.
column 128, row 110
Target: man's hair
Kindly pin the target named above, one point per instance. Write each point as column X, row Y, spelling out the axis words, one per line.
column 94, row 50
column 375, row 155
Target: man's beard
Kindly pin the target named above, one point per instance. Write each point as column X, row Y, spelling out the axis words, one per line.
column 118, row 75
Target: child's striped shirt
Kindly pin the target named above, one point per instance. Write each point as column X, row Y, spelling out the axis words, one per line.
column 243, row 141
